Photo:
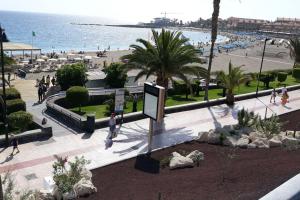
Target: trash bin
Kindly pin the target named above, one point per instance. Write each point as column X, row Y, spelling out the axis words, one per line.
column 90, row 123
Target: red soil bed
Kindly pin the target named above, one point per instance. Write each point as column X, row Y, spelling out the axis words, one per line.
column 251, row 174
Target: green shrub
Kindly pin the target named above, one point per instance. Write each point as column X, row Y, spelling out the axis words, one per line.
column 269, row 127
column 11, row 93
column 246, row 118
column 282, row 76
column 296, row 73
column 115, row 75
column 266, row 78
column 15, row 105
column 71, row 75
column 77, row 96
column 19, row 120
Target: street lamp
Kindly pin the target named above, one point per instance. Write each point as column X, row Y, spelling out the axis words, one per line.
column 261, row 65
column 2, row 39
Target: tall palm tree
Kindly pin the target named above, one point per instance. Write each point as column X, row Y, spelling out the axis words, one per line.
column 167, row 58
column 294, row 46
column 214, row 34
column 231, row 80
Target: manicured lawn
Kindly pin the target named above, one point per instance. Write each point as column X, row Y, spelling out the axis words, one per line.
column 173, row 100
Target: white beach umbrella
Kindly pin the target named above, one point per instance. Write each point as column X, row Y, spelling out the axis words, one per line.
column 87, row 57
column 78, row 59
column 40, row 60
column 52, row 60
column 44, row 57
column 62, row 59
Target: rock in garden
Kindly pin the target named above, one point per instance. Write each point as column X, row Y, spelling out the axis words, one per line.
column 196, row 156
column 86, row 174
column 254, row 135
column 261, row 143
column 290, row 133
column 275, row 143
column 69, row 195
column 297, row 135
column 84, row 188
column 251, row 146
column 245, row 130
column 230, row 141
column 243, row 142
column 203, row 136
column 45, row 195
column 290, row 142
column 213, row 138
column 179, row 161
column 56, row 193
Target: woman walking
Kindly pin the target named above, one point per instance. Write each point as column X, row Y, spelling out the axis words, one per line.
column 273, row 96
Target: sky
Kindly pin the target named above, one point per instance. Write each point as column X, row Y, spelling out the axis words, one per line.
column 134, row 11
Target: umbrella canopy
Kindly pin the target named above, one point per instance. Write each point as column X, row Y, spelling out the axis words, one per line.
column 25, row 61
column 88, row 58
column 52, row 59
column 44, row 57
column 40, row 60
column 78, row 59
column 62, row 59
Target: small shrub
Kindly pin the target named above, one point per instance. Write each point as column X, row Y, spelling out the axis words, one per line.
column 296, row 73
column 266, row 78
column 246, row 118
column 19, row 120
column 11, row 93
column 165, row 161
column 110, row 105
column 77, row 96
column 282, row 76
column 270, row 126
column 15, row 105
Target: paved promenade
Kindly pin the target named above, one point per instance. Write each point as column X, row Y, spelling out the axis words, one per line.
column 34, row 162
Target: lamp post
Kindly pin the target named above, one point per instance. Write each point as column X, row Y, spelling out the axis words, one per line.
column 3, row 81
column 261, row 65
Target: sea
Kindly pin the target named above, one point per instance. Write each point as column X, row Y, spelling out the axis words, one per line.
column 57, row 33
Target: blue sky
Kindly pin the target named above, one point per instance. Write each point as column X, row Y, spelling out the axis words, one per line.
column 134, row 11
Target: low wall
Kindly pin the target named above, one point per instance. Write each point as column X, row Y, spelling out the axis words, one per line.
column 80, row 122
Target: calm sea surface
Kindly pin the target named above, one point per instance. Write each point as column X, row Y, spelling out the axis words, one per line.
column 57, row 33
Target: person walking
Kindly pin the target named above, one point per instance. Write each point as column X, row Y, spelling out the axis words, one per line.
column 40, row 93
column 112, row 125
column 48, row 81
column 8, row 78
column 43, row 80
column 44, row 90
column 53, row 81
column 273, row 96
column 15, row 144
column 284, row 98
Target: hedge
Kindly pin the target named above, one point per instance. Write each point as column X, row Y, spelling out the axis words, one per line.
column 19, row 120
column 11, row 93
column 77, row 96
column 296, row 73
column 282, row 76
column 15, row 105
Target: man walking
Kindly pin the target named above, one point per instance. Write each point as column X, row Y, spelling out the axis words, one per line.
column 15, row 144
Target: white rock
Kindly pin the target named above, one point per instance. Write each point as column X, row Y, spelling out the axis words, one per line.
column 254, row 135
column 251, row 146
column 196, row 156
column 45, row 195
column 261, row 143
column 179, row 161
column 243, row 142
column 56, row 193
column 213, row 138
column 84, row 188
column 297, row 135
column 203, row 136
column 230, row 141
column 290, row 133
column 86, row 174
column 69, row 195
column 274, row 142
column 290, row 142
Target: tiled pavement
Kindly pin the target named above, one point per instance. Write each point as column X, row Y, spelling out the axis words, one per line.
column 34, row 162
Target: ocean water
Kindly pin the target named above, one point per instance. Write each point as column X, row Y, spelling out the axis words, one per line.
column 57, row 33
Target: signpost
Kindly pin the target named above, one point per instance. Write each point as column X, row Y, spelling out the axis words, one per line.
column 154, row 97
column 119, row 102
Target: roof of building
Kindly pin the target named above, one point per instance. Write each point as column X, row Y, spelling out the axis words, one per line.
column 11, row 46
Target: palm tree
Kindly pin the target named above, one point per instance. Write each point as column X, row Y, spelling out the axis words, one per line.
column 169, row 57
column 294, row 46
column 214, row 34
column 231, row 80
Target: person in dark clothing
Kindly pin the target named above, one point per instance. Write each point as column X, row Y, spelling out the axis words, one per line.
column 53, row 81
column 15, row 144
column 40, row 93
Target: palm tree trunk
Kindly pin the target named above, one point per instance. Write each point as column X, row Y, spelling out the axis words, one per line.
column 214, row 33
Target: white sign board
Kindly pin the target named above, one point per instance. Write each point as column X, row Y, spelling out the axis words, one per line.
column 119, row 100
column 150, row 105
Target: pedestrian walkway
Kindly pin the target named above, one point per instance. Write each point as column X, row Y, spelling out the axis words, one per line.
column 35, row 160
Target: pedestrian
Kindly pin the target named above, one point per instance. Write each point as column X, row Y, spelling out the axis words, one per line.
column 43, row 80
column 48, row 81
column 8, row 78
column 283, row 90
column 284, row 98
column 15, row 144
column 40, row 92
column 273, row 95
column 53, row 81
column 44, row 90
column 112, row 125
